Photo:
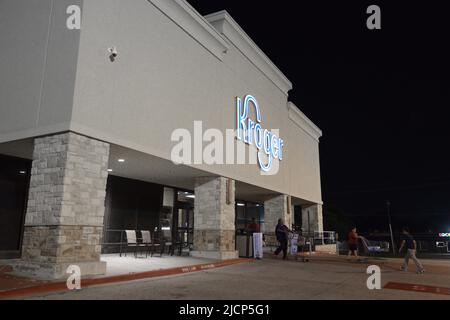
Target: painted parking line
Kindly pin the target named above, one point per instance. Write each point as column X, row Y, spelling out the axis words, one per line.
column 62, row 286
column 417, row 288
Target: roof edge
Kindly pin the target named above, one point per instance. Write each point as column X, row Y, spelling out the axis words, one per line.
column 227, row 26
column 194, row 24
column 303, row 122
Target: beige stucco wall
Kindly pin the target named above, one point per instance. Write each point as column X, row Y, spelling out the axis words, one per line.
column 38, row 58
column 164, row 80
column 171, row 71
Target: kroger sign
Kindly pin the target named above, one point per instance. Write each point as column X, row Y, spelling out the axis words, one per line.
column 251, row 131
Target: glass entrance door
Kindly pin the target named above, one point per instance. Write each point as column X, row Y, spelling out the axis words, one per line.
column 184, row 225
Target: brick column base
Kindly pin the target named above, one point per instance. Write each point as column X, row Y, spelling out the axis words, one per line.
column 51, row 250
column 214, row 218
column 215, row 244
column 64, row 220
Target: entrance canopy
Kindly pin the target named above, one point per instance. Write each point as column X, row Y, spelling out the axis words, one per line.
column 144, row 167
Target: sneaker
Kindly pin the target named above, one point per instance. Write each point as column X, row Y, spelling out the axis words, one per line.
column 421, row 271
column 403, row 269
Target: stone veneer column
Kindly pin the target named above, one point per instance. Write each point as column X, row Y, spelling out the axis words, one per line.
column 315, row 218
column 275, row 209
column 64, row 220
column 214, row 219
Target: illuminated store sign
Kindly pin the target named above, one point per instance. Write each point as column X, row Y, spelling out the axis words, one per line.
column 251, row 131
column 444, row 235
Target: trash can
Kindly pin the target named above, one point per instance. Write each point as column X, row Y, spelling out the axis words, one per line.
column 244, row 245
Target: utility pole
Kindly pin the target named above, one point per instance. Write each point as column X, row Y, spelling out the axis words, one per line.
column 388, row 203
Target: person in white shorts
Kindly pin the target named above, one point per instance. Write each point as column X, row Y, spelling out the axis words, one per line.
column 411, row 249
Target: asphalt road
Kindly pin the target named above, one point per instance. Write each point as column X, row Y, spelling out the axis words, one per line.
column 266, row 280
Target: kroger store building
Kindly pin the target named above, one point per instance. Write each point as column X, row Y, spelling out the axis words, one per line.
column 86, row 137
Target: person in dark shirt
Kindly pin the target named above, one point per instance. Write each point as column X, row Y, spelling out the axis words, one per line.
column 411, row 247
column 282, row 232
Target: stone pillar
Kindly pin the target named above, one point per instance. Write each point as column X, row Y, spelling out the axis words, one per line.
column 312, row 218
column 274, row 209
column 214, row 219
column 64, row 219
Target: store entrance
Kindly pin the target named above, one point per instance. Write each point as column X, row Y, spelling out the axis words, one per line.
column 14, row 184
column 249, row 219
column 183, row 220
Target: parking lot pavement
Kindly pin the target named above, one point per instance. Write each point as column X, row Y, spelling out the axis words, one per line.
column 271, row 279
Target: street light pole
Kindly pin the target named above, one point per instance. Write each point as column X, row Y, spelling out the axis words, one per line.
column 388, row 203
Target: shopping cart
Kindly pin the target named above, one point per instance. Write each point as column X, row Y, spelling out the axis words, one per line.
column 296, row 241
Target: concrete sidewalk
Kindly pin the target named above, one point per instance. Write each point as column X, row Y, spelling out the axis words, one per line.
column 117, row 265
column 126, row 270
column 129, row 269
column 272, row 279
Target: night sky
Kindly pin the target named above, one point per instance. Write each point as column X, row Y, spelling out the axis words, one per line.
column 381, row 98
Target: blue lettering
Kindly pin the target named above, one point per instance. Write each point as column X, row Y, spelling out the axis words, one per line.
column 241, row 117
column 281, row 141
column 251, row 126
column 249, row 131
column 275, row 146
column 258, row 136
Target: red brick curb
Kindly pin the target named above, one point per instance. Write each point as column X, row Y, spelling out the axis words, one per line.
column 417, row 288
column 62, row 286
column 5, row 269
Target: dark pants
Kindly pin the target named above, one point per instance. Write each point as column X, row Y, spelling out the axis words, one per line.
column 283, row 247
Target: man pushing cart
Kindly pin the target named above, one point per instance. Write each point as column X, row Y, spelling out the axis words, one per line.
column 289, row 241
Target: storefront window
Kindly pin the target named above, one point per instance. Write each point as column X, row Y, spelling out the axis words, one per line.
column 130, row 205
column 249, row 216
column 14, row 181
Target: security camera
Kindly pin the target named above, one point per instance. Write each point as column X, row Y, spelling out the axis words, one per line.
column 113, row 52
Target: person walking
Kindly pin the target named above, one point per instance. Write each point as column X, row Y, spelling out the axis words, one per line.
column 411, row 249
column 282, row 232
column 353, row 238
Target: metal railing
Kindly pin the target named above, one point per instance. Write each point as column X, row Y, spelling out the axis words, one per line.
column 115, row 241
column 324, row 238
column 320, row 238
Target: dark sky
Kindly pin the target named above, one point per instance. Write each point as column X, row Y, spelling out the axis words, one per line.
column 381, row 97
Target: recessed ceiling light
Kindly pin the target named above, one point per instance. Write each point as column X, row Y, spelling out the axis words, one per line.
column 241, row 204
column 121, row 160
column 22, row 172
column 191, row 196
column 110, row 170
